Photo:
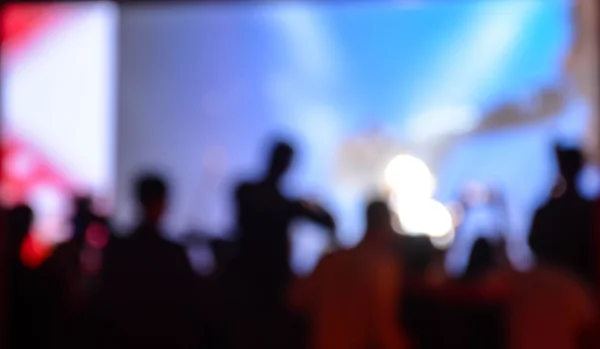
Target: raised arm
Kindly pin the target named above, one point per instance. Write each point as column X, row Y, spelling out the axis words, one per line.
column 314, row 213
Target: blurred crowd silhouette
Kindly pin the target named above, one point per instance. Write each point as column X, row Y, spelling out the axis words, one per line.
column 99, row 290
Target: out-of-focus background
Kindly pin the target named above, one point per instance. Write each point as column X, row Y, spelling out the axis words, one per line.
column 59, row 88
column 471, row 95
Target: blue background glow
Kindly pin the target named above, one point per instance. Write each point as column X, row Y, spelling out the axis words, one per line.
column 203, row 87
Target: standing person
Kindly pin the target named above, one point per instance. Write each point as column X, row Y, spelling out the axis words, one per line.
column 22, row 284
column 264, row 217
column 352, row 299
column 551, row 306
column 70, row 265
column 568, row 217
column 148, row 280
column 35, row 295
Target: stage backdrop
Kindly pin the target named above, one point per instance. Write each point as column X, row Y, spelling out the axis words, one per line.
column 476, row 90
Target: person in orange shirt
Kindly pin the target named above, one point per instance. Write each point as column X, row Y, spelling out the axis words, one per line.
column 352, row 299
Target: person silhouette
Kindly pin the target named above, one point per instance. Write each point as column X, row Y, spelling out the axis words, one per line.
column 34, row 293
column 265, row 215
column 74, row 266
column 20, row 280
column 84, row 215
column 18, row 223
column 568, row 217
column 551, row 306
column 262, row 267
column 353, row 298
column 149, row 279
column 481, row 260
column 66, row 258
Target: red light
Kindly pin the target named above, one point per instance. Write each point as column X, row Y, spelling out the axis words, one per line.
column 34, row 252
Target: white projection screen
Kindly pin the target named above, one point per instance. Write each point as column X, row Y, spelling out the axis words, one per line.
column 58, row 108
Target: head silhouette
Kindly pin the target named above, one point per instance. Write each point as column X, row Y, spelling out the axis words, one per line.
column 18, row 222
column 151, row 194
column 378, row 219
column 282, row 154
column 82, row 204
column 570, row 163
column 481, row 259
column 82, row 215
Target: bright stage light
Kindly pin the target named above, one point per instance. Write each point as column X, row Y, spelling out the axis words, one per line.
column 425, row 217
column 443, row 242
column 412, row 186
column 409, row 179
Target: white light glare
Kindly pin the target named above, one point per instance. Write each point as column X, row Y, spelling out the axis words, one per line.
column 443, row 242
column 409, row 179
column 426, row 217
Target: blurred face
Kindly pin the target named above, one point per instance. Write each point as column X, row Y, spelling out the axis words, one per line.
column 384, row 230
column 281, row 166
column 287, row 163
column 388, row 230
column 156, row 210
